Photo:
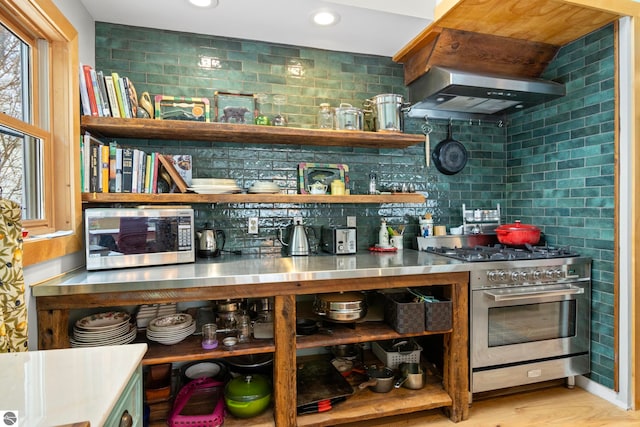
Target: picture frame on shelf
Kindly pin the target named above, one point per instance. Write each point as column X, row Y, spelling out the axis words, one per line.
column 182, row 108
column 325, row 173
column 234, row 108
column 167, row 163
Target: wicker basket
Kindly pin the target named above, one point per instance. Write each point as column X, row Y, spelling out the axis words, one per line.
column 403, row 314
column 437, row 315
column 392, row 356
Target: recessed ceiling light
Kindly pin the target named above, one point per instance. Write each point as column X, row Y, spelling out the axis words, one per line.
column 204, row 3
column 325, row 17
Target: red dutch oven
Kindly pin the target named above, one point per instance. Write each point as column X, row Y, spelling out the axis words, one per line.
column 518, row 234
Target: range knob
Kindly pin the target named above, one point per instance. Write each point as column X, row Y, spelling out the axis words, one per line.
column 492, row 276
column 558, row 274
column 502, row 275
column 548, row 274
column 515, row 276
column 537, row 275
column 523, row 276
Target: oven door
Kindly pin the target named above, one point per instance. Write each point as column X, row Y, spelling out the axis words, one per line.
column 525, row 323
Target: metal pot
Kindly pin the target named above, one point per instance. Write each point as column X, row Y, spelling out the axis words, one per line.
column 388, row 112
column 518, row 234
column 449, row 156
column 349, row 118
column 251, row 363
column 413, row 376
column 341, row 307
column 345, row 351
column 380, row 380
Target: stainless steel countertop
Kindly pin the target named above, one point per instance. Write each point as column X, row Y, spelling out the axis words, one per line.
column 243, row 269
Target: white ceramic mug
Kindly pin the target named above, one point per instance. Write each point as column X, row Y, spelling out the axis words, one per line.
column 397, row 242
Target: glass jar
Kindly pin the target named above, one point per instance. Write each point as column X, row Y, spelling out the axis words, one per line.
column 325, row 117
column 244, row 327
column 373, row 183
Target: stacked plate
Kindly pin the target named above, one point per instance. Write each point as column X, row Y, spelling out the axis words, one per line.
column 147, row 312
column 171, row 328
column 108, row 328
column 264, row 187
column 214, row 186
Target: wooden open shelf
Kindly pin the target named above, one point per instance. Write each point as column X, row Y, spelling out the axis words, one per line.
column 249, row 198
column 191, row 350
column 225, row 132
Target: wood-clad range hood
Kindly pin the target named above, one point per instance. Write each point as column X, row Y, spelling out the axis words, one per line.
column 489, row 55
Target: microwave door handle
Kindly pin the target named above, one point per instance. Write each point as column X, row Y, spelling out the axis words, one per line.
column 536, row 292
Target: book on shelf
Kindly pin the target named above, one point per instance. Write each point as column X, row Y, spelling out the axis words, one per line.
column 91, row 167
column 84, row 94
column 124, row 98
column 113, row 149
column 90, row 91
column 111, row 96
column 102, row 91
column 118, row 185
column 132, row 97
column 104, row 168
column 127, row 170
column 108, row 168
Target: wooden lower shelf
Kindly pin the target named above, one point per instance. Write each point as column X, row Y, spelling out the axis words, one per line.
column 363, row 405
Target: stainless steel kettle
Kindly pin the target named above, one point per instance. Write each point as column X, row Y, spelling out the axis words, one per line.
column 298, row 244
column 208, row 244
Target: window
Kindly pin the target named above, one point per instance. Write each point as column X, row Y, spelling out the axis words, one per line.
column 39, row 125
column 21, row 158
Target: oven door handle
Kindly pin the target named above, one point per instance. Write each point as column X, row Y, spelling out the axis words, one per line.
column 533, row 292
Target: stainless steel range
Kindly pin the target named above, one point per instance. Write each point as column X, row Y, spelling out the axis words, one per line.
column 529, row 314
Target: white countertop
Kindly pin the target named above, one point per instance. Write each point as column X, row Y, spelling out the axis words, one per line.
column 55, row 387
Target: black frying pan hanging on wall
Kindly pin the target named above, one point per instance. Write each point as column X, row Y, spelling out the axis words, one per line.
column 449, row 156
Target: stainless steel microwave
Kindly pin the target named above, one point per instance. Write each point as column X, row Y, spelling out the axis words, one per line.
column 136, row 237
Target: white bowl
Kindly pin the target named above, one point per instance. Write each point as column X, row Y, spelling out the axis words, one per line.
column 456, row 231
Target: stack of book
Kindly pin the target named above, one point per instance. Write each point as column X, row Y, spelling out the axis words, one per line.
column 109, row 168
column 107, row 95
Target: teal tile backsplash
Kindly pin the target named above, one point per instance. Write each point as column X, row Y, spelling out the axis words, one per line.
column 552, row 165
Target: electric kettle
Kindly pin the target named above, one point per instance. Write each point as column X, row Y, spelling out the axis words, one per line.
column 208, row 246
column 298, row 244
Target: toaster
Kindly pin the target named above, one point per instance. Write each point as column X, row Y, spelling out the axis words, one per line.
column 338, row 240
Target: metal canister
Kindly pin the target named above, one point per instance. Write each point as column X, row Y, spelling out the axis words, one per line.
column 348, row 117
column 388, row 112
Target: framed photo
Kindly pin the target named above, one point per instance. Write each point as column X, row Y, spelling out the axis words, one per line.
column 311, row 173
column 234, row 108
column 182, row 108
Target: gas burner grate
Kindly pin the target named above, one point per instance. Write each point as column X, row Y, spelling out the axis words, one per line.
column 502, row 252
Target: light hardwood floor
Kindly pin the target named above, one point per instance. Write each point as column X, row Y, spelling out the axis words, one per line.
column 555, row 406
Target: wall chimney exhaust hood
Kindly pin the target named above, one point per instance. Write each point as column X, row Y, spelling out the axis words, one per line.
column 448, row 93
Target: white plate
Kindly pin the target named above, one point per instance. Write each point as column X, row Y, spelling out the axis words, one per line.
column 212, row 181
column 263, row 191
column 171, row 333
column 173, row 339
column 102, row 321
column 204, row 369
column 171, row 322
column 216, row 190
column 130, row 336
